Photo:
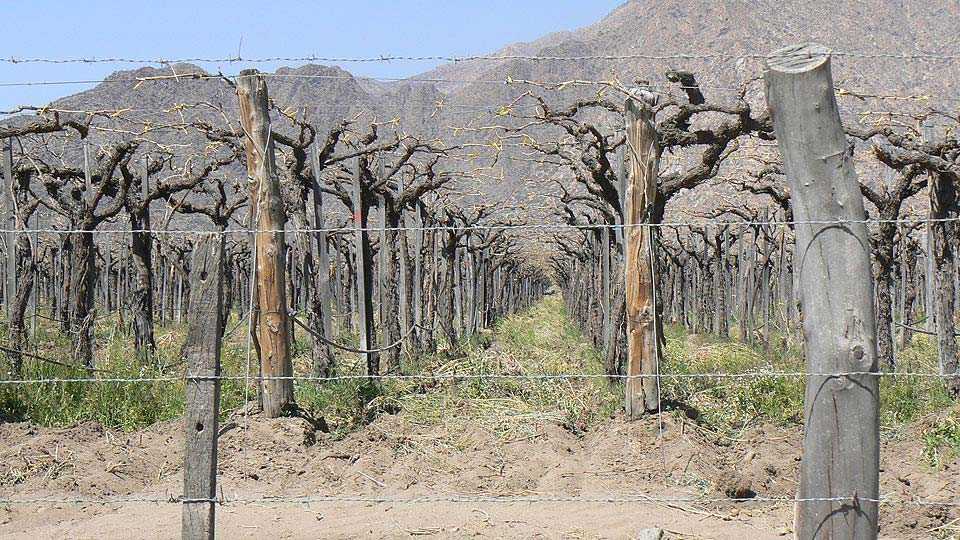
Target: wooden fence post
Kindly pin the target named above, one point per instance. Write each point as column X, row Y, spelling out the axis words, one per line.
column 643, row 325
column 841, row 445
column 273, row 322
column 201, row 353
column 9, row 223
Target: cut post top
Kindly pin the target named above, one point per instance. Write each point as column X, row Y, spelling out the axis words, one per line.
column 798, row 58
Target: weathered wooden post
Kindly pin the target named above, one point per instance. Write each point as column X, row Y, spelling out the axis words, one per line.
column 273, row 324
column 839, row 478
column 9, row 223
column 201, row 353
column 643, row 325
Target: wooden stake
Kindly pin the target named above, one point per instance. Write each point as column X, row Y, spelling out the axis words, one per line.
column 643, row 325
column 273, row 324
column 201, row 353
column 841, row 446
column 9, row 238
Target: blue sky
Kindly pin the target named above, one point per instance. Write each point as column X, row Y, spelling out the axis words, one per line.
column 202, row 28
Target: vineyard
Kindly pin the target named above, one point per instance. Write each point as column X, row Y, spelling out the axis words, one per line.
column 594, row 307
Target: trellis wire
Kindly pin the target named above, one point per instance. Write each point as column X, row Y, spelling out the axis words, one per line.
column 510, row 499
column 185, row 77
column 476, row 376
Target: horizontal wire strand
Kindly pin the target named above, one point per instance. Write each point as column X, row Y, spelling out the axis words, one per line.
column 186, row 77
column 606, row 498
column 477, row 376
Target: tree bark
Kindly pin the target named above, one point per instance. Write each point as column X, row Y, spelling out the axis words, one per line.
column 25, row 270
column 883, row 274
column 447, row 318
column 141, row 302
column 944, row 205
column 390, row 297
column 82, row 312
column 324, row 359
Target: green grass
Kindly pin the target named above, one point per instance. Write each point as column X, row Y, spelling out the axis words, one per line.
column 122, row 405
column 727, row 406
column 540, row 341
column 941, row 439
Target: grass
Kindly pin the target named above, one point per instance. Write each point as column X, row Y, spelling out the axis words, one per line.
column 540, row 341
column 941, row 439
column 121, row 405
column 729, row 406
column 537, row 342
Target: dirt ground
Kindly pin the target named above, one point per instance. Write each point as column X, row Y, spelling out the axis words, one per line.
column 395, row 458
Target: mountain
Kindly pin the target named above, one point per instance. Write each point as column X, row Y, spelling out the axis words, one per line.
column 440, row 102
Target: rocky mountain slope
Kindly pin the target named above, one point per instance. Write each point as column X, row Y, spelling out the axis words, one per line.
column 436, row 103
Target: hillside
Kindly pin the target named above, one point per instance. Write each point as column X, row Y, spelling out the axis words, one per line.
column 469, row 90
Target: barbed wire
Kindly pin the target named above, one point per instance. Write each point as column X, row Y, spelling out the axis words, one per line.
column 480, row 377
column 864, row 55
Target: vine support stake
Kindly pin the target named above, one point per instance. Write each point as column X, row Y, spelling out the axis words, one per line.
column 839, row 474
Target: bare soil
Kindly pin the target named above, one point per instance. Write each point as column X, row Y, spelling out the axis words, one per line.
column 394, row 457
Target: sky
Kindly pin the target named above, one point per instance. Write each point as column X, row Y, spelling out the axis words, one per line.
column 218, row 29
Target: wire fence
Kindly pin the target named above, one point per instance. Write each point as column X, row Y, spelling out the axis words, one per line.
column 249, row 377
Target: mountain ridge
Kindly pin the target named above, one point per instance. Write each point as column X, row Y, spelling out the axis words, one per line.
column 440, row 102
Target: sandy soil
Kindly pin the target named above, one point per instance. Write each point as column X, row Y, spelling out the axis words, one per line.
column 393, row 457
